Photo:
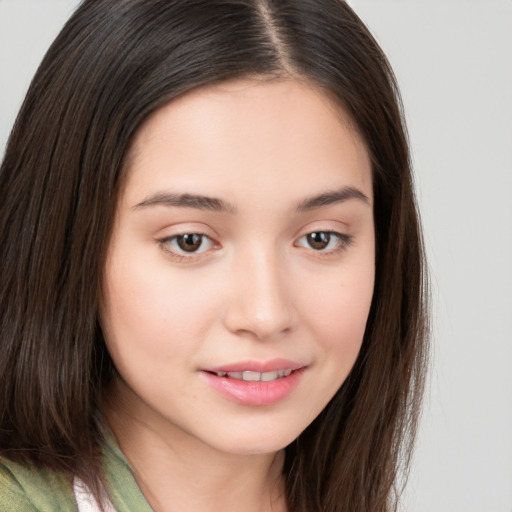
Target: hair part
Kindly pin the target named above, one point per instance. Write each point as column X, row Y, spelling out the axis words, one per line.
column 114, row 64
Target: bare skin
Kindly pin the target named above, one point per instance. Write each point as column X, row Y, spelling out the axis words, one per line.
column 225, row 481
column 244, row 236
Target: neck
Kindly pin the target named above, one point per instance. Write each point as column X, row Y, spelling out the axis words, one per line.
column 176, row 471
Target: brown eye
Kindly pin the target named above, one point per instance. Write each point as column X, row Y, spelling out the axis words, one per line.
column 189, row 242
column 319, row 240
column 328, row 242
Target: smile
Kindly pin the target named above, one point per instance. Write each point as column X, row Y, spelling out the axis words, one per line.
column 256, row 383
column 250, row 376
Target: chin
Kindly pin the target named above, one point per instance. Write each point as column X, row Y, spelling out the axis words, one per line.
column 271, row 438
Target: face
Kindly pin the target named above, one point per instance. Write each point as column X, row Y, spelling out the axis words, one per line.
column 241, row 265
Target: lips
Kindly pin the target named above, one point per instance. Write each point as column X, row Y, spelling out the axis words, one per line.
column 250, row 376
column 257, row 366
column 255, row 383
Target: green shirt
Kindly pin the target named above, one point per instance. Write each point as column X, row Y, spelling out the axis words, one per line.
column 31, row 489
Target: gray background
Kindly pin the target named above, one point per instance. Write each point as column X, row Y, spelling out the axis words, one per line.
column 453, row 59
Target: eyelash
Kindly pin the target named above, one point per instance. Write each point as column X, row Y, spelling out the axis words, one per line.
column 344, row 241
column 167, row 241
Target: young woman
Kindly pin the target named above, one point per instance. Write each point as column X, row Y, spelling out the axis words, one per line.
column 212, row 288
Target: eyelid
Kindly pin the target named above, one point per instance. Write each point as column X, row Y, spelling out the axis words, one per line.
column 344, row 241
column 180, row 255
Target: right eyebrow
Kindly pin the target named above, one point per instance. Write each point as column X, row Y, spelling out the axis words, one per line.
column 197, row 201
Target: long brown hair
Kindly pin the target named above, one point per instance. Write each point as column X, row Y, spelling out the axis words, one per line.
column 114, row 63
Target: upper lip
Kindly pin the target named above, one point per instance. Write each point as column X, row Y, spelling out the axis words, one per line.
column 257, row 366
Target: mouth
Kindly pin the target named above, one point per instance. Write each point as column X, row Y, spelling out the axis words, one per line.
column 254, row 383
column 250, row 376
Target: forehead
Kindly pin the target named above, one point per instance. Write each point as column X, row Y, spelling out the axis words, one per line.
column 250, row 131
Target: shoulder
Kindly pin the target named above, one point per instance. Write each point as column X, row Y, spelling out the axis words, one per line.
column 27, row 488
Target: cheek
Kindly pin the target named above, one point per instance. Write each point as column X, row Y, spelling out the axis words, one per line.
column 151, row 312
column 340, row 303
column 339, row 326
column 337, row 313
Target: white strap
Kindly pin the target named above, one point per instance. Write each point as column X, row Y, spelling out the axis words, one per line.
column 85, row 500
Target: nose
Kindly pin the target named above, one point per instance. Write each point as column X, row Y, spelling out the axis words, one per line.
column 260, row 303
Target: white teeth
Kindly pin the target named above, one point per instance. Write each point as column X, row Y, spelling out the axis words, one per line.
column 250, row 376
column 268, row 376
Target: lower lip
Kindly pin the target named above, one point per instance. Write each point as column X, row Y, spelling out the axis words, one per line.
column 255, row 393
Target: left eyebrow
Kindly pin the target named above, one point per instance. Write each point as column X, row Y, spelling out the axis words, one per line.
column 332, row 197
